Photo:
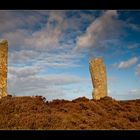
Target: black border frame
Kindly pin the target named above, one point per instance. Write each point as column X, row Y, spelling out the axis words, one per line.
column 69, row 4
column 64, row 5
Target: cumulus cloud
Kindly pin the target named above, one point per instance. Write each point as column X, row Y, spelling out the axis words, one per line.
column 137, row 71
column 102, row 28
column 128, row 63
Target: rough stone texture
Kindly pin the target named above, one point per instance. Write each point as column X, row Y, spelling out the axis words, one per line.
column 98, row 76
column 3, row 67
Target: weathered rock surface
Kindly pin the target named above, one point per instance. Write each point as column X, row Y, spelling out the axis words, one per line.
column 3, row 67
column 98, row 76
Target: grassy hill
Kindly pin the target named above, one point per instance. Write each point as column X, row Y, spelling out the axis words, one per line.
column 37, row 113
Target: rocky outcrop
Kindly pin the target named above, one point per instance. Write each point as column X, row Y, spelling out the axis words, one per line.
column 3, row 67
column 98, row 76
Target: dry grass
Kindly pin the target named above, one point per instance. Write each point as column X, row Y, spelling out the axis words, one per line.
column 81, row 113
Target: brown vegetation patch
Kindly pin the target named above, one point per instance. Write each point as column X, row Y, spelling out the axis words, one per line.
column 81, row 113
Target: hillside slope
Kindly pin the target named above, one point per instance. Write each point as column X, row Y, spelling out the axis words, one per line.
column 81, row 113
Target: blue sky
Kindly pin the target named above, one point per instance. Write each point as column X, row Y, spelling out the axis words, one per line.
column 49, row 51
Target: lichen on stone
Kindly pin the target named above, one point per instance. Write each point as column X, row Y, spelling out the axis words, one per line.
column 3, row 67
column 98, row 76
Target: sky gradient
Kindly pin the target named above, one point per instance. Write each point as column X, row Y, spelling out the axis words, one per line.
column 49, row 51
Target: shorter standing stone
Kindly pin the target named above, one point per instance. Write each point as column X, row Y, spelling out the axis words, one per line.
column 98, row 76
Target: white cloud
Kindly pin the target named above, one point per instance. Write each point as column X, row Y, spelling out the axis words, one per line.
column 7, row 16
column 133, row 46
column 23, row 56
column 41, row 46
column 20, row 19
column 137, row 71
column 112, row 80
column 47, row 36
column 23, row 71
column 36, row 58
column 16, row 38
column 26, row 81
column 33, row 73
column 60, row 60
column 34, row 45
column 135, row 27
column 128, row 63
column 134, row 91
column 100, row 29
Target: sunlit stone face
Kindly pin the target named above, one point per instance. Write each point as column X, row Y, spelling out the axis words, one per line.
column 98, row 76
column 3, row 67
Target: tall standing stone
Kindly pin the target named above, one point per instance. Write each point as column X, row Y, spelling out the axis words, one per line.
column 3, row 67
column 98, row 76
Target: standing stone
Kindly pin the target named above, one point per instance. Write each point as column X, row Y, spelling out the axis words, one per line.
column 3, row 67
column 98, row 76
